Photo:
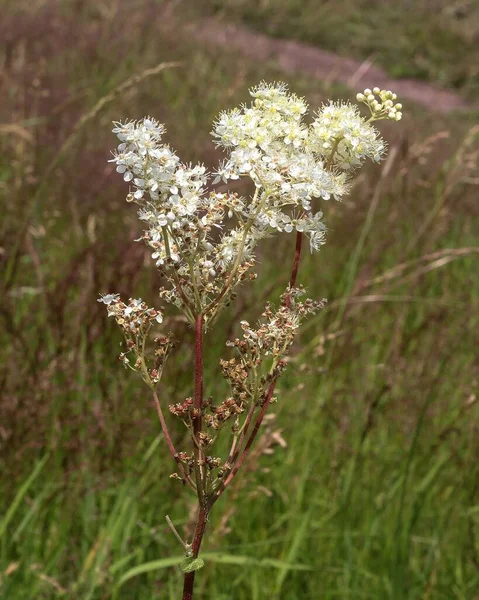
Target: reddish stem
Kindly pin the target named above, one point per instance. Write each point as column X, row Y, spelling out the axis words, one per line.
column 294, row 270
column 196, row 545
column 198, row 393
column 169, row 441
column 198, row 454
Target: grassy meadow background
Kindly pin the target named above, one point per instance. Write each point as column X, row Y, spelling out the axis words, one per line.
column 365, row 484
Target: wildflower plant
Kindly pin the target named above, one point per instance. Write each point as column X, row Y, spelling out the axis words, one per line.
column 203, row 243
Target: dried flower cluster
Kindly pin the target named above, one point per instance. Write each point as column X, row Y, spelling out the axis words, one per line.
column 203, row 243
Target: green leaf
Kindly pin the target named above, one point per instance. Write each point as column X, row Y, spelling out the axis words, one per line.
column 250, row 561
column 192, row 564
column 154, row 565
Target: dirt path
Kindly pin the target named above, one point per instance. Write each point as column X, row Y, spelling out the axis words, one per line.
column 303, row 59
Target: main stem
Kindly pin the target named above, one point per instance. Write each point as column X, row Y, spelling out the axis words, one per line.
column 294, row 270
column 198, row 538
column 198, row 456
column 198, row 407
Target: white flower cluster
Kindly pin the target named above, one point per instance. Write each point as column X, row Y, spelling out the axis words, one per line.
column 134, row 316
column 269, row 143
column 180, row 214
column 290, row 162
column 342, row 128
column 169, row 191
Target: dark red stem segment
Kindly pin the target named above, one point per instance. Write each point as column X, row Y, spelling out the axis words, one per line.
column 198, row 538
column 198, row 454
column 294, row 270
column 198, row 395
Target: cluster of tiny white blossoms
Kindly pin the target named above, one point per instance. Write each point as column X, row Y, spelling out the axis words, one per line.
column 204, row 241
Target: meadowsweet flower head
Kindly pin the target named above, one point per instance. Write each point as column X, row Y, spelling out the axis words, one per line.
column 203, row 241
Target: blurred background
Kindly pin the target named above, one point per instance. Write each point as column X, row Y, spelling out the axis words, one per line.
column 365, row 482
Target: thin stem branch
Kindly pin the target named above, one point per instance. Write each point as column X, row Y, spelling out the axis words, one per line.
column 244, row 430
column 169, row 441
column 233, row 271
column 247, row 226
column 178, row 286
column 294, row 270
column 175, row 532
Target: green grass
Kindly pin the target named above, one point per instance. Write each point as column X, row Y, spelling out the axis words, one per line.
column 375, row 495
